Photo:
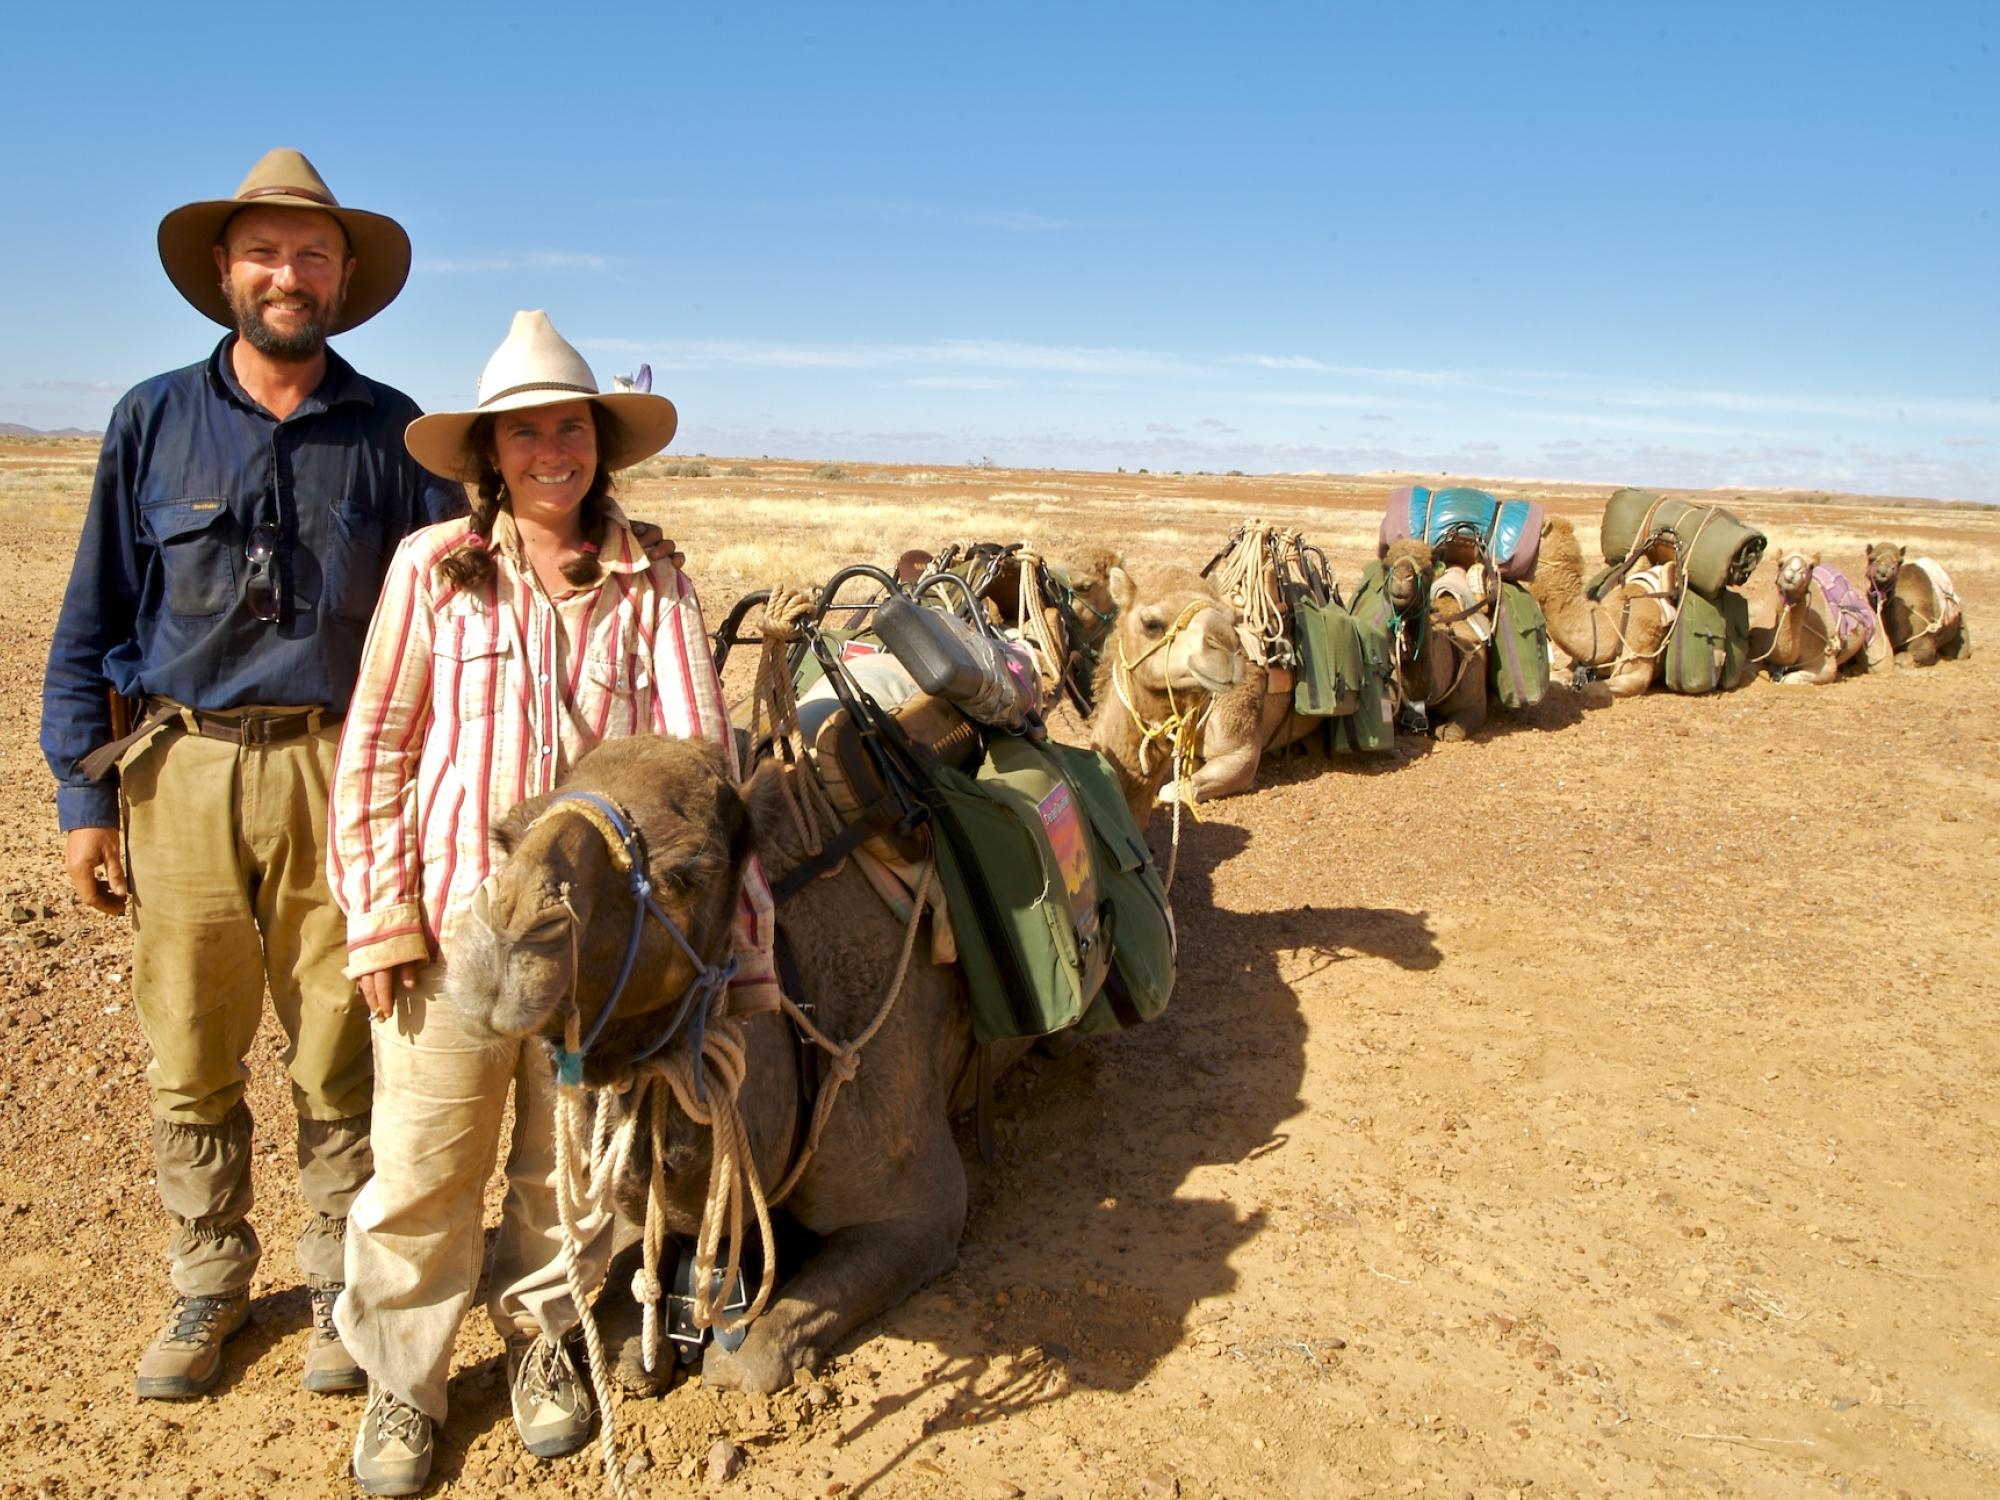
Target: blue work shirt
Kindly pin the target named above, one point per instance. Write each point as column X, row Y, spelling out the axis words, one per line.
column 156, row 601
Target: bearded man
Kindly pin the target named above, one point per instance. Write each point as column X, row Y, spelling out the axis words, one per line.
column 241, row 520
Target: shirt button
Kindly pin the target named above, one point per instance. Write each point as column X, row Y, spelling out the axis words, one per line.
column 546, row 750
column 543, row 678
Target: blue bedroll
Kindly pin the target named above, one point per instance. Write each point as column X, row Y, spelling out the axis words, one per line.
column 1509, row 530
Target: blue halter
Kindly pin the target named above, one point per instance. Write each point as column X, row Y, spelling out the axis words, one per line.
column 708, row 980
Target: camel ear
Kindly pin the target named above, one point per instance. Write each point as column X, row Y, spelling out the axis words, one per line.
column 514, row 827
column 1123, row 590
column 1870, row 553
column 1901, row 553
column 1813, row 561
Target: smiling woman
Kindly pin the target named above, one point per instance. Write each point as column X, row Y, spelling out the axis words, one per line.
column 504, row 648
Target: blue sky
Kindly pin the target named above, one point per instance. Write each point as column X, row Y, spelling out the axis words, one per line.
column 1735, row 245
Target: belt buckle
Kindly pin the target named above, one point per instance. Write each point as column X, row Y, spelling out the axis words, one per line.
column 255, row 731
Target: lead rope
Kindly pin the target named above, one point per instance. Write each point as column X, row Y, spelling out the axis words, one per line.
column 1246, row 581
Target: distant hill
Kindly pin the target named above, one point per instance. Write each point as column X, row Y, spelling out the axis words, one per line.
column 15, row 429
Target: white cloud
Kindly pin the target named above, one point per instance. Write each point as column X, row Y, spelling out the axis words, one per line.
column 959, row 354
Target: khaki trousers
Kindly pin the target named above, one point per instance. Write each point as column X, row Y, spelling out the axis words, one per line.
column 226, row 854
column 414, row 1240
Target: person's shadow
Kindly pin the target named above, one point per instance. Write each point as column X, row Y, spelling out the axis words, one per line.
column 1088, row 1257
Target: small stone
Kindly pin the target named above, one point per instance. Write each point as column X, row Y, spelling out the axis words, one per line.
column 725, row 1459
column 267, row 1474
column 636, row 1465
column 19, row 913
column 816, row 1395
column 689, row 1467
column 1004, row 1491
column 1159, row 1485
column 1844, row 1403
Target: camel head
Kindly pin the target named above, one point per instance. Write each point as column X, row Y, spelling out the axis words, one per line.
column 1884, row 558
column 556, row 917
column 1090, row 586
column 1406, row 570
column 1795, row 574
column 1174, row 636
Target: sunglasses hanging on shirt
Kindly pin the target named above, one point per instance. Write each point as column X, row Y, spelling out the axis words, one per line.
column 264, row 588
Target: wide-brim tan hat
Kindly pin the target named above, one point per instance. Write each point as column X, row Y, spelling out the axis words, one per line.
column 284, row 179
column 537, row 366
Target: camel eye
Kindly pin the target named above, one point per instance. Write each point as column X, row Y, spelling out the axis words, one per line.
column 1152, row 624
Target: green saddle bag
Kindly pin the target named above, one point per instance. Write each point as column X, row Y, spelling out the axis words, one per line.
column 1518, row 659
column 1708, row 648
column 1331, row 660
column 1058, row 912
column 1371, row 727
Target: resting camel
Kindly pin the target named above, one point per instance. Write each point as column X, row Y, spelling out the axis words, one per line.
column 1258, row 714
column 1624, row 632
column 884, row 1190
column 1173, row 646
column 1444, row 662
column 1917, row 606
column 1814, row 631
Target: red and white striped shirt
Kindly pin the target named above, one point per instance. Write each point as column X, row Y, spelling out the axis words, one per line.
column 471, row 702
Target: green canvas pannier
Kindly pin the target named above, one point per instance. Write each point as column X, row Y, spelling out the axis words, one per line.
column 1517, row 662
column 1371, row 727
column 1046, row 875
column 1331, row 661
column 1701, row 629
column 1136, row 913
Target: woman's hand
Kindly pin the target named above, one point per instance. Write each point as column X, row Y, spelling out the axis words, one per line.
column 379, row 986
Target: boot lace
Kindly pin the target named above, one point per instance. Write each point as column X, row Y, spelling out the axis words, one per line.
column 546, row 1374
column 323, row 1298
column 193, row 1319
column 395, row 1421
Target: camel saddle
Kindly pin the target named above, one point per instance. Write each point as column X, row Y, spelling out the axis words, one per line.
column 1850, row 608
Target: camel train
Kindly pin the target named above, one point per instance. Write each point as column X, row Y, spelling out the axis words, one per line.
column 956, row 886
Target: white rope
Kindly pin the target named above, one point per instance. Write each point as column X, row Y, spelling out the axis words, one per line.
column 1034, row 628
column 1246, row 580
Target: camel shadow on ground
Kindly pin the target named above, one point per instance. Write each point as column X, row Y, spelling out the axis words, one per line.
column 1090, row 1253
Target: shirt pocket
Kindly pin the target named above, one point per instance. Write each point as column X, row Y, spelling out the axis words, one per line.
column 358, row 560
column 618, row 693
column 469, row 667
column 196, row 539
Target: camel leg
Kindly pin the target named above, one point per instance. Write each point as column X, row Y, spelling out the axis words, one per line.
column 857, row 1272
column 1224, row 776
column 1961, row 645
column 1924, row 653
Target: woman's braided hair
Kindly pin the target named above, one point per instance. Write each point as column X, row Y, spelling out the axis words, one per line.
column 469, row 565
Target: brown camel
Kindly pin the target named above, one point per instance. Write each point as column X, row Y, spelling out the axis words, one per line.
column 1173, row 648
column 885, row 1189
column 1444, row 663
column 1624, row 632
column 1917, row 606
column 1258, row 714
column 1807, row 639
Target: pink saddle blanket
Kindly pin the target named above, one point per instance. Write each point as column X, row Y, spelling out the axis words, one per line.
column 1850, row 607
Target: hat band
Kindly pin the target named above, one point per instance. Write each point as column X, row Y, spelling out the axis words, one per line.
column 288, row 192
column 537, row 385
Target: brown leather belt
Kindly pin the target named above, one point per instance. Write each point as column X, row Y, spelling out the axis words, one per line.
column 251, row 728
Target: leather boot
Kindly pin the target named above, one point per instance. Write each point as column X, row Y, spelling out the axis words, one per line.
column 185, row 1361
column 330, row 1369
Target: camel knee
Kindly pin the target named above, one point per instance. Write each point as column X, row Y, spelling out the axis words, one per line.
column 1225, row 776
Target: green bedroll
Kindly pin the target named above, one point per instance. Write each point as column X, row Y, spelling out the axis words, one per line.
column 1717, row 550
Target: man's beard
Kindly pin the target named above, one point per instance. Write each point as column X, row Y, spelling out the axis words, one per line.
column 305, row 343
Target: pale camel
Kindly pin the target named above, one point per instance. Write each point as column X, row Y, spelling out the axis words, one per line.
column 1920, row 616
column 1624, row 632
column 1803, row 640
column 1173, row 648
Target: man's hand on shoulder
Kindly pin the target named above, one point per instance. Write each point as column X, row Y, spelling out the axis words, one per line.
column 86, row 852
column 659, row 546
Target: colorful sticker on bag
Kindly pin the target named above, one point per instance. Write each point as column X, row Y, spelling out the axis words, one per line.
column 1070, row 842
column 855, row 650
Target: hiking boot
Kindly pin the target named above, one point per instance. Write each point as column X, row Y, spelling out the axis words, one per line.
column 329, row 1367
column 551, row 1402
column 185, row 1361
column 392, row 1451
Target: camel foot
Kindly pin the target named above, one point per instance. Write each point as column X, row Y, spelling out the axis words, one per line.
column 1799, row 679
column 1449, row 732
column 755, row 1367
